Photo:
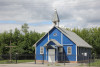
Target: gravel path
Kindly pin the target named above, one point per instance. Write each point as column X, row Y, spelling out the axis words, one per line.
column 30, row 64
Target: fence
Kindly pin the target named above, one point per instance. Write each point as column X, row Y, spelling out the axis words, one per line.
column 62, row 58
column 90, row 60
column 16, row 58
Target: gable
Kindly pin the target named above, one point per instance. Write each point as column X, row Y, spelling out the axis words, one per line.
column 52, row 35
column 48, row 36
column 52, row 42
column 58, row 37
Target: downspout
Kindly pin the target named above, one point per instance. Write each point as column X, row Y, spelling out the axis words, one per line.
column 76, row 53
column 35, row 54
column 61, row 39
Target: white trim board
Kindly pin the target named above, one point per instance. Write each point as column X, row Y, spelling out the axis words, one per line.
column 61, row 38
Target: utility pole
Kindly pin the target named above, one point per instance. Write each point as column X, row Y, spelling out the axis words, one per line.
column 10, row 53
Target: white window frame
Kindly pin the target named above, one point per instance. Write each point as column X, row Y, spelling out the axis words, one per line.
column 41, row 48
column 70, row 51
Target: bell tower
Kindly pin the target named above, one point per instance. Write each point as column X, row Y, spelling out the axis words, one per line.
column 55, row 19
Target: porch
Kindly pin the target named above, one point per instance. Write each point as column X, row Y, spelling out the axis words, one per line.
column 54, row 51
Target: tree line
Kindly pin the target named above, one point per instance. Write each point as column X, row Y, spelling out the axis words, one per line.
column 24, row 39
column 91, row 36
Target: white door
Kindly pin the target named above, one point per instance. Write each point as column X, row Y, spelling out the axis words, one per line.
column 51, row 55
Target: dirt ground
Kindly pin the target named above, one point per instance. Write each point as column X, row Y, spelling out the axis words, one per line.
column 42, row 65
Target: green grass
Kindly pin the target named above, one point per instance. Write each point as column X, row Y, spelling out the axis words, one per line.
column 23, row 61
column 57, row 64
column 48, row 64
column 96, row 63
column 14, row 61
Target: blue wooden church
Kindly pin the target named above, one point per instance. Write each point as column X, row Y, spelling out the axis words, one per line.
column 60, row 45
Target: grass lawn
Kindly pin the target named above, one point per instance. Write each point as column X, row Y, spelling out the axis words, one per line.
column 96, row 63
column 14, row 61
column 23, row 61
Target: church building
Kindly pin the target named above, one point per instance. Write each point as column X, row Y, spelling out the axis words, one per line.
column 59, row 45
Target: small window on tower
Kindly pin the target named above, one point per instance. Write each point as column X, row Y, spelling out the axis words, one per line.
column 55, row 34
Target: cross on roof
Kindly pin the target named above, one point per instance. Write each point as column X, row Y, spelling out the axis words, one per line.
column 10, row 50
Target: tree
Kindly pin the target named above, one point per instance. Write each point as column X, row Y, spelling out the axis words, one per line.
column 25, row 28
column 16, row 37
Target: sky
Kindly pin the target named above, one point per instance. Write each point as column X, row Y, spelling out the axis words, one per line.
column 38, row 14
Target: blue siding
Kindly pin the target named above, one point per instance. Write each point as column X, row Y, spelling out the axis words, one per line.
column 57, row 37
column 41, row 43
column 66, row 41
column 81, row 50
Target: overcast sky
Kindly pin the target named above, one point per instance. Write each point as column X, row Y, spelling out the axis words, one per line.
column 38, row 14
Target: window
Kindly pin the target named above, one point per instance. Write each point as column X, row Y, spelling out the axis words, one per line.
column 69, row 50
column 84, row 54
column 55, row 34
column 41, row 50
column 60, row 49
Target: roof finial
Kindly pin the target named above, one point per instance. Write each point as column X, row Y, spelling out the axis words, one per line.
column 56, row 18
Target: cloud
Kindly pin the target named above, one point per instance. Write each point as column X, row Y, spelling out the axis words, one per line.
column 72, row 13
column 8, row 27
column 40, row 29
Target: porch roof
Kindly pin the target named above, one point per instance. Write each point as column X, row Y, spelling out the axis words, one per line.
column 54, row 41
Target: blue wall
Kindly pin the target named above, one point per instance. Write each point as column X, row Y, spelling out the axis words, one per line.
column 81, row 50
column 66, row 42
column 39, row 44
column 57, row 37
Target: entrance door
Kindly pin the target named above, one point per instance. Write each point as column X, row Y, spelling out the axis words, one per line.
column 51, row 55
